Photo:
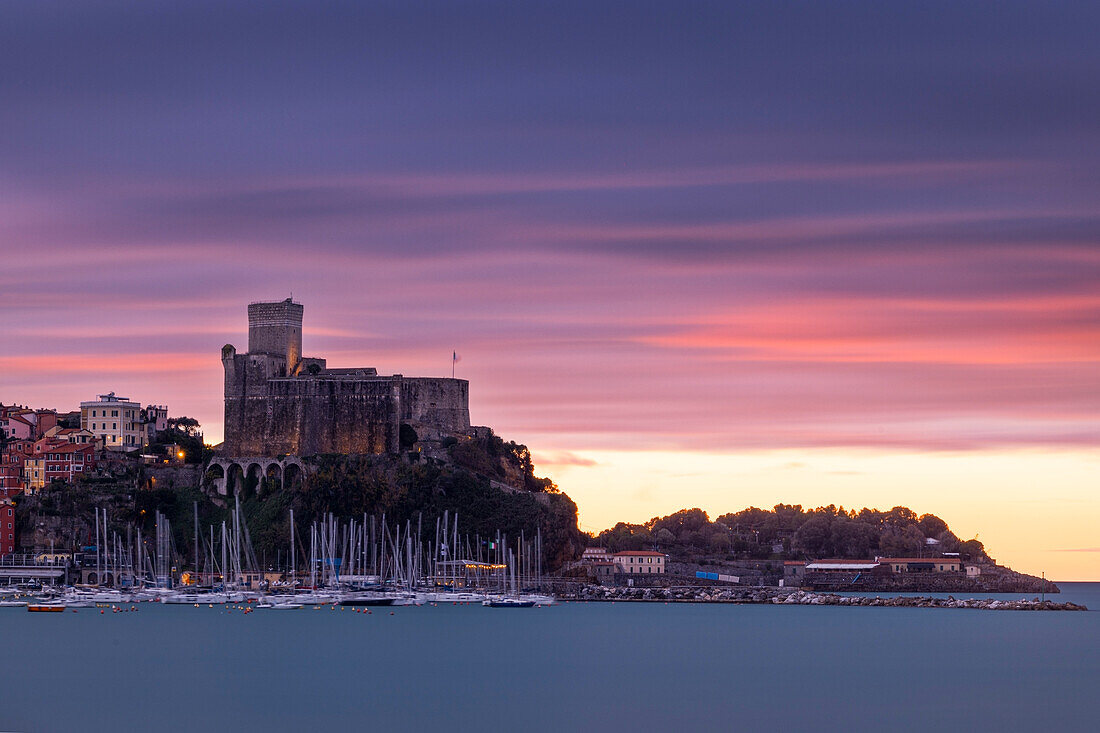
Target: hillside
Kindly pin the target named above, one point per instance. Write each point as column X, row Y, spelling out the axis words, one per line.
column 488, row 483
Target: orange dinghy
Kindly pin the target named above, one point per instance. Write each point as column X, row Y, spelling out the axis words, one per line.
column 45, row 607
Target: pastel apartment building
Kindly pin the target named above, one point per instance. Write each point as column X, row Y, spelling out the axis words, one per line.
column 59, row 462
column 635, row 562
column 631, row 562
column 120, row 424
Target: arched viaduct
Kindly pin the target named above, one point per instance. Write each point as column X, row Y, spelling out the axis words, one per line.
column 230, row 473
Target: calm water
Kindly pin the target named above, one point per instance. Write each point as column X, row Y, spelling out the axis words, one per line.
column 575, row 666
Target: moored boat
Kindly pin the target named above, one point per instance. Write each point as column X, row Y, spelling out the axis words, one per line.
column 45, row 607
column 368, row 599
column 508, row 603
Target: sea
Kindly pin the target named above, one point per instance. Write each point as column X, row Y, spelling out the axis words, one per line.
column 568, row 667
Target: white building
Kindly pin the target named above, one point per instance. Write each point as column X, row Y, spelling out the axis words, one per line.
column 116, row 422
column 596, row 554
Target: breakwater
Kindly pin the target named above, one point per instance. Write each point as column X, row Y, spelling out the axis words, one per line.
column 781, row 596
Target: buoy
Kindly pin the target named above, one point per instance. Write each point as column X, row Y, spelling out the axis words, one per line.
column 101, row 610
column 391, row 613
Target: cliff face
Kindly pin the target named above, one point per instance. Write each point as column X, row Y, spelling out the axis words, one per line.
column 405, row 488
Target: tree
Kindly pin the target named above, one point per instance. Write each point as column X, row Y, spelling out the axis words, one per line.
column 814, row 537
column 900, row 517
column 184, row 432
column 932, row 526
column 903, row 542
column 683, row 521
column 187, row 425
column 972, row 550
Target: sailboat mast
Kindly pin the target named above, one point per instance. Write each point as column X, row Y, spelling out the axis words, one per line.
column 293, row 564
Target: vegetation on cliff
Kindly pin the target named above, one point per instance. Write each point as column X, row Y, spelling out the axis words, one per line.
column 490, row 487
column 790, row 531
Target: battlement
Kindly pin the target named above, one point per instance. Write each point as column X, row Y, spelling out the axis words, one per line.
column 275, row 329
column 278, row 402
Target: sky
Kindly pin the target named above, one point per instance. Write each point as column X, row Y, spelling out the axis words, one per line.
column 692, row 254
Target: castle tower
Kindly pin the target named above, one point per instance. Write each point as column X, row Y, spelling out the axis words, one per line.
column 275, row 329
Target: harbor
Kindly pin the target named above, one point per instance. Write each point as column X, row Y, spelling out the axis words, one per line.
column 352, row 564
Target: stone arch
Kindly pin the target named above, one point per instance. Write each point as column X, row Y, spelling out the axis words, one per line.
column 232, row 475
column 274, row 474
column 216, row 475
column 234, row 478
column 253, row 475
column 292, row 474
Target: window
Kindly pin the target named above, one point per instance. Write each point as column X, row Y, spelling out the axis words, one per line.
column 114, row 413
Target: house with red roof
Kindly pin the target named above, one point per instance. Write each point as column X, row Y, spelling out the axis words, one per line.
column 634, row 562
column 57, row 462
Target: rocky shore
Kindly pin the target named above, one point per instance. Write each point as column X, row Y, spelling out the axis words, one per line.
column 782, row 596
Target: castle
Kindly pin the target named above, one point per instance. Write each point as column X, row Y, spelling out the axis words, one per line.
column 278, row 402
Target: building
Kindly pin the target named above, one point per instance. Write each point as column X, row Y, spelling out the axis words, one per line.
column 7, row 526
column 58, row 462
column 793, row 572
column 278, row 402
column 596, row 554
column 12, row 465
column 842, row 566
column 840, row 573
column 156, row 421
column 44, row 420
column 70, row 435
column 601, row 568
column 633, row 562
column 116, row 422
column 17, row 423
column 922, row 564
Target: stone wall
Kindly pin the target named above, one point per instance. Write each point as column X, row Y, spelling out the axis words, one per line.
column 276, row 329
column 306, row 416
column 443, row 404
